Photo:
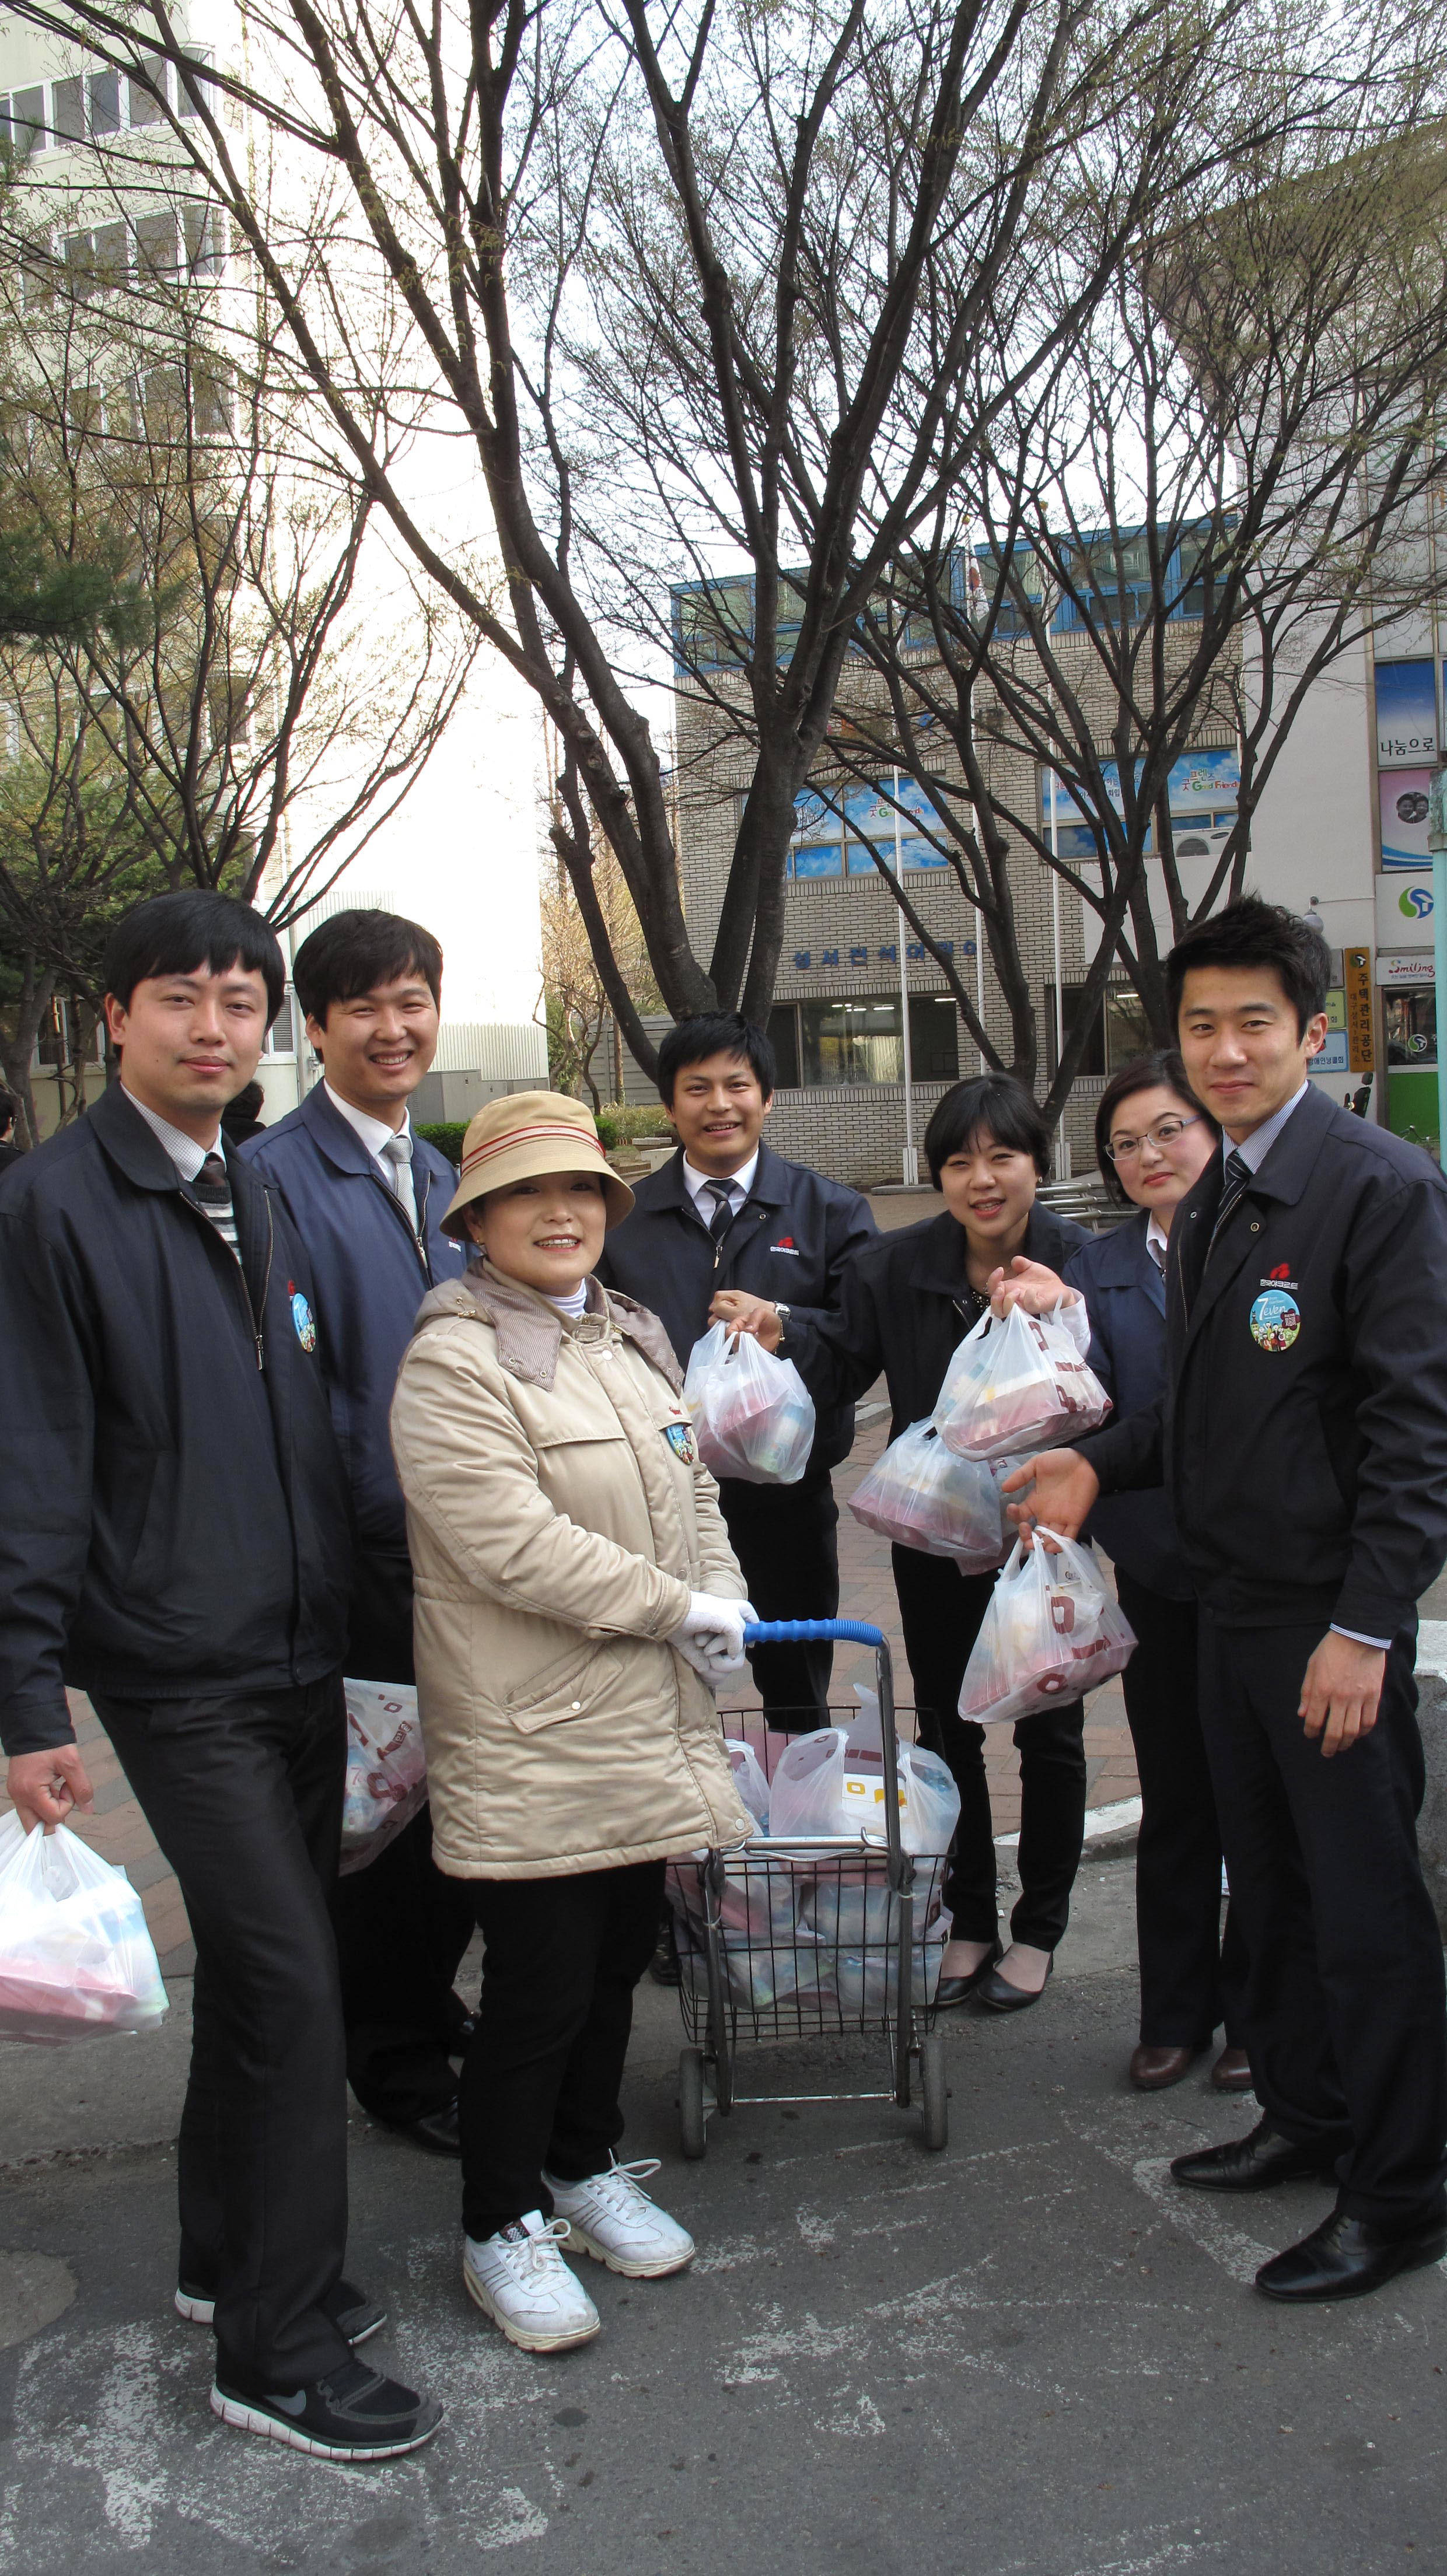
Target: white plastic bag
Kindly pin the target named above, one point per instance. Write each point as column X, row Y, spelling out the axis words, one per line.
column 750, row 1782
column 855, row 1914
column 831, row 1783
column 76, row 1958
column 386, row 1769
column 868, row 1980
column 921, row 1494
column 1051, row 1632
column 1016, row 1386
column 753, row 1414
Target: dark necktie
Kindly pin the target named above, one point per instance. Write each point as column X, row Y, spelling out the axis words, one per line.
column 721, row 1193
column 211, row 1185
column 1237, row 1177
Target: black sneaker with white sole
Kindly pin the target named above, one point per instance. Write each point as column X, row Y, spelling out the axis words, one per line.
column 352, row 2414
column 348, row 2308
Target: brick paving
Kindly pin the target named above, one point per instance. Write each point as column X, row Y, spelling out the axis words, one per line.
column 120, row 1833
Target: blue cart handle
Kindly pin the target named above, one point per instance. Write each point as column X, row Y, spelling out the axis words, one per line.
column 812, row 1632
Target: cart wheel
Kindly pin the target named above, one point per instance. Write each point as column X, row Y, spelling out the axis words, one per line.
column 692, row 2133
column 935, row 2126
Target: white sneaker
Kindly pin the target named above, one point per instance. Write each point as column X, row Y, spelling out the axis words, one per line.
column 519, row 2279
column 610, row 2217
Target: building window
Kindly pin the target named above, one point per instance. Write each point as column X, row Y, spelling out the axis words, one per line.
column 1201, row 792
column 105, row 102
column 145, row 99
column 67, row 100
column 1119, row 1030
column 822, row 1044
column 1412, row 1029
column 281, row 1036
column 838, row 835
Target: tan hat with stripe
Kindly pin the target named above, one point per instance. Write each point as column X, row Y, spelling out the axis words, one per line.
column 521, row 1138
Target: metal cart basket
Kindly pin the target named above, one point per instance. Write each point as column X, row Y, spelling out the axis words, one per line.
column 785, row 1939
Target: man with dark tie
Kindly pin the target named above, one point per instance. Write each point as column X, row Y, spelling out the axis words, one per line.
column 1303, row 1441
column 725, row 1224
column 366, row 1194
column 175, row 1540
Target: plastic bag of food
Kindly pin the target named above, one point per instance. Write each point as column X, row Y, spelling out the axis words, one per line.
column 857, row 1914
column 749, row 1779
column 1051, row 1632
column 76, row 1958
column 386, row 1769
column 921, row 1494
column 1016, row 1386
column 868, row 1980
column 833, row 1783
column 752, row 1412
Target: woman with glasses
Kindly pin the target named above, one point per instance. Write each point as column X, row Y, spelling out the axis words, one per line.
column 1153, row 1141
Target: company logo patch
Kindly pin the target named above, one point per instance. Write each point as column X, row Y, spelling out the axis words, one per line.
column 1282, row 1271
column 304, row 1320
column 679, row 1436
column 1275, row 1320
column 786, row 1243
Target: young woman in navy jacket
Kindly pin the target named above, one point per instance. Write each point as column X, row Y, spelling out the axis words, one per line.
column 1153, row 1140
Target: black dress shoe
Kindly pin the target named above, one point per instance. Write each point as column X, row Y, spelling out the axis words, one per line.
column 953, row 1990
column 1256, row 2162
column 665, row 1967
column 438, row 2131
column 1344, row 2258
column 998, row 1995
column 1154, row 2070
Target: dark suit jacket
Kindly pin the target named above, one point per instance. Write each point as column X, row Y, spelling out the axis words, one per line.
column 1125, row 1298
column 1302, row 1437
column 793, row 1239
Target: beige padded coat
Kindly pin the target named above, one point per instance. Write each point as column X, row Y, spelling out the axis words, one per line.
column 558, row 1519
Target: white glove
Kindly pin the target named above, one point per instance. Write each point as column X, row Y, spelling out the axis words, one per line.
column 711, row 1638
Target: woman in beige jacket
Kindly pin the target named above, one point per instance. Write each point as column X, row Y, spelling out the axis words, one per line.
column 574, row 1598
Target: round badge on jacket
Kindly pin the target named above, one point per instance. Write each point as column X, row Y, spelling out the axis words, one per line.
column 304, row 1320
column 1275, row 1320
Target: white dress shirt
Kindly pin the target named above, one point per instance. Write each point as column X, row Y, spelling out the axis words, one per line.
column 738, row 1185
column 1253, row 1153
column 376, row 1135
column 1158, row 1242
column 188, row 1158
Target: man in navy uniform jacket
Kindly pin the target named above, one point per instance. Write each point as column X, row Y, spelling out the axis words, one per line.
column 366, row 1196
column 728, row 1216
column 1303, row 1443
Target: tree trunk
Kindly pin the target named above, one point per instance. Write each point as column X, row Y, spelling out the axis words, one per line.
column 19, row 1048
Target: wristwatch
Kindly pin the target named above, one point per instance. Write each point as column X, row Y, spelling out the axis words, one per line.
column 781, row 1311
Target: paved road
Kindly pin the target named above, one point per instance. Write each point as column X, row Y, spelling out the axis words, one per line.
column 1030, row 2356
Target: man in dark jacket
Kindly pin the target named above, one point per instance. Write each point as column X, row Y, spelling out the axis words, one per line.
column 365, row 1194
column 1303, row 1444
column 727, row 1215
column 174, row 1538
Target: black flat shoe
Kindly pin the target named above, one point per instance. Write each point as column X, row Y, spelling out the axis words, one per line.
column 954, row 1990
column 438, row 2131
column 1344, row 2258
column 1257, row 2162
column 998, row 1995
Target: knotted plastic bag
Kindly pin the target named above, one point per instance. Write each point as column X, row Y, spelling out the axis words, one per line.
column 920, row 1494
column 750, row 1781
column 386, row 1769
column 752, row 1412
column 76, row 1958
column 831, row 1783
column 1051, row 1632
column 1017, row 1385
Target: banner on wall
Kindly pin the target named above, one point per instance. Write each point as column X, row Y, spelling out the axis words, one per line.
column 868, row 812
column 1404, row 912
column 1402, row 801
column 1199, row 782
column 1406, row 715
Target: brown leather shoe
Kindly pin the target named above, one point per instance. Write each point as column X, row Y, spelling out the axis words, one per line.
column 1152, row 2070
column 1231, row 2072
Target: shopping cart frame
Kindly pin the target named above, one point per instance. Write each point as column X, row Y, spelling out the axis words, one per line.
column 706, row 2075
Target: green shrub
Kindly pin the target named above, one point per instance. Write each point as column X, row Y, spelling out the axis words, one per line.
column 447, row 1136
column 619, row 1126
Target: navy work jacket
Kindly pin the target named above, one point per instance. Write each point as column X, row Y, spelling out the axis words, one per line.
column 1302, row 1436
column 792, row 1240
column 173, row 1516
column 371, row 1275
column 1125, row 1298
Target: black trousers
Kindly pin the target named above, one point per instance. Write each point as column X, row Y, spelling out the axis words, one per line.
column 942, row 1612
column 542, row 2074
column 401, row 1926
column 244, row 1797
column 1192, row 1973
column 786, row 1538
column 1344, row 1991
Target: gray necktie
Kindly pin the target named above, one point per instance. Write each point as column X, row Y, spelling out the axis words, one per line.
column 398, row 1152
column 1234, row 1184
column 722, row 1195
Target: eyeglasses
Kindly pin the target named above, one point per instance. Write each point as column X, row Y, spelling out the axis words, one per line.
column 1128, row 1149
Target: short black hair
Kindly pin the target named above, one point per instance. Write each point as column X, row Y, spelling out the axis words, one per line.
column 1163, row 1071
column 993, row 1105
column 714, row 1033
column 176, row 934
column 355, row 950
column 1252, row 933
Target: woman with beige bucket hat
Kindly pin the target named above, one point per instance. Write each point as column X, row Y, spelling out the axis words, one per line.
column 574, row 1598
